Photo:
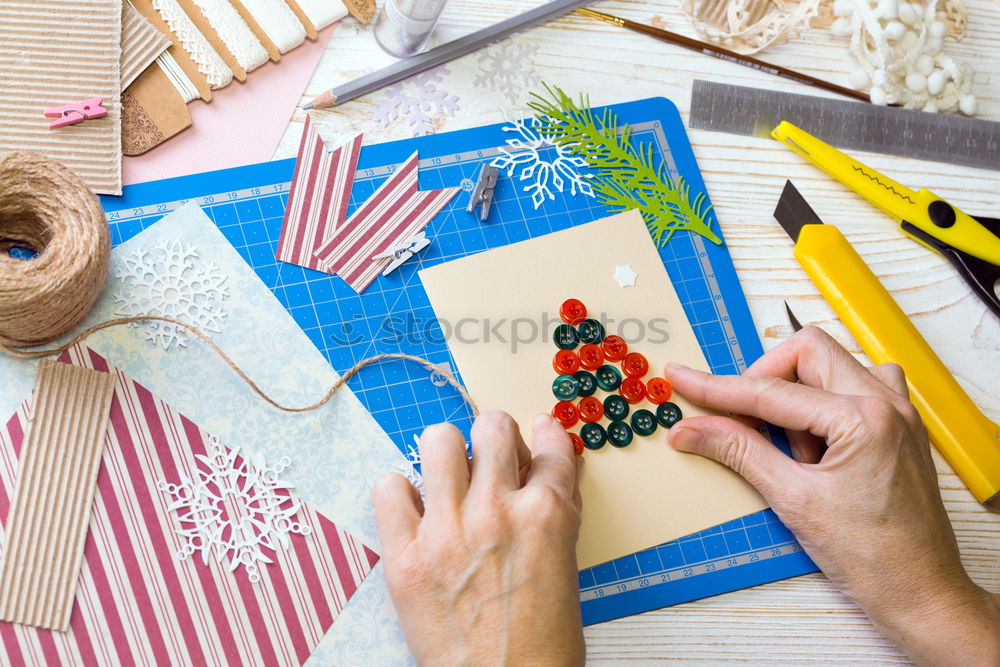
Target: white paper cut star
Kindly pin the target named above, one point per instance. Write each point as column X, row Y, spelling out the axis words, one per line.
column 625, row 275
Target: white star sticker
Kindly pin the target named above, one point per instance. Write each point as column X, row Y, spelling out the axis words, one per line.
column 625, row 275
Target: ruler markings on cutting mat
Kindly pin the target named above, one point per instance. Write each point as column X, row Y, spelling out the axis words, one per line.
column 970, row 142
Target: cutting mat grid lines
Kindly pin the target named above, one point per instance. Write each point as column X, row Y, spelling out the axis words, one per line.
column 394, row 315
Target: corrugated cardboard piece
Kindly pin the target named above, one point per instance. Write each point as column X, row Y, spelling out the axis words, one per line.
column 635, row 497
column 51, row 505
column 141, row 44
column 57, row 52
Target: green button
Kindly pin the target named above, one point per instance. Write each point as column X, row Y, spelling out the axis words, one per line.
column 588, row 383
column 594, row 436
column 668, row 414
column 565, row 387
column 565, row 337
column 620, row 434
column 608, row 378
column 643, row 422
column 590, row 331
column 615, row 407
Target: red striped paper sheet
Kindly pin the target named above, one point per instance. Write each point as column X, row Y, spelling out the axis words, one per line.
column 396, row 212
column 318, row 197
column 136, row 602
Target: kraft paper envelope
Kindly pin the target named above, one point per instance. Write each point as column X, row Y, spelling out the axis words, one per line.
column 635, row 497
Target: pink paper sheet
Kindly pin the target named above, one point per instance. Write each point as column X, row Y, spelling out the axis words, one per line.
column 136, row 602
column 241, row 125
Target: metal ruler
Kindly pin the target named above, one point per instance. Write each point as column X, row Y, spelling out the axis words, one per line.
column 970, row 142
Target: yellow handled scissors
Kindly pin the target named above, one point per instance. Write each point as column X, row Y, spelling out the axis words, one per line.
column 971, row 244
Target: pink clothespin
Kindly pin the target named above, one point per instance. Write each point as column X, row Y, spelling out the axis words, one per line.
column 70, row 114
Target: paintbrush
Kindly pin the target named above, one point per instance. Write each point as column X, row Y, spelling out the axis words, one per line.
column 723, row 54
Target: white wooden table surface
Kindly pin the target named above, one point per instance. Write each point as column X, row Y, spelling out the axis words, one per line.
column 801, row 620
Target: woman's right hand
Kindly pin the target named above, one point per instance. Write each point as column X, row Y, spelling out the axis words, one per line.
column 860, row 494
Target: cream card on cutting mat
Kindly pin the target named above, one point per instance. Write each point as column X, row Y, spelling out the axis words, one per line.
column 634, row 497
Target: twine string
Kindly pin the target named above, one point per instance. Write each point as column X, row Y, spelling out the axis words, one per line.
column 46, row 207
column 341, row 381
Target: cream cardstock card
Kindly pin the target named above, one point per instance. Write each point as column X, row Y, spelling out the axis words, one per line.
column 499, row 309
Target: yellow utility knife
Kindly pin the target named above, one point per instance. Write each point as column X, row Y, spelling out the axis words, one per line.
column 965, row 436
column 971, row 244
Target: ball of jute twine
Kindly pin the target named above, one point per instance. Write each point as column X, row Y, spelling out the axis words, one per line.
column 48, row 209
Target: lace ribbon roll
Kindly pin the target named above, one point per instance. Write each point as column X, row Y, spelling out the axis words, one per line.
column 278, row 22
column 46, row 208
column 749, row 26
column 322, row 12
column 209, row 63
column 234, row 33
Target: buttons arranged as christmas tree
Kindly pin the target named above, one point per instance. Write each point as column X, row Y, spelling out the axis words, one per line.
column 589, row 359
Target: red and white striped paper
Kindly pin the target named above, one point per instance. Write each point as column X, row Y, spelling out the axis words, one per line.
column 396, row 212
column 318, row 197
column 136, row 603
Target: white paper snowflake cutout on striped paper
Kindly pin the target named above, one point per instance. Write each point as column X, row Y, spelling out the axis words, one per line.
column 549, row 167
column 171, row 280
column 234, row 511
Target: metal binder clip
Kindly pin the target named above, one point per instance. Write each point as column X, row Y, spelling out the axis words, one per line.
column 403, row 251
column 482, row 194
column 70, row 114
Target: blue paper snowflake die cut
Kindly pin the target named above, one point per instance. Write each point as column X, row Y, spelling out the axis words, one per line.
column 547, row 166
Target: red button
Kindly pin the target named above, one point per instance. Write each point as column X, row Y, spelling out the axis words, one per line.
column 635, row 364
column 632, row 389
column 577, row 443
column 565, row 413
column 615, row 348
column 591, row 409
column 591, row 357
column 566, row 362
column 658, row 390
column 573, row 311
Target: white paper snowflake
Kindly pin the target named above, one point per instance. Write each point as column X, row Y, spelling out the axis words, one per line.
column 508, row 68
column 234, row 510
column 170, row 280
column 415, row 99
column 412, row 455
column 547, row 166
column 410, row 472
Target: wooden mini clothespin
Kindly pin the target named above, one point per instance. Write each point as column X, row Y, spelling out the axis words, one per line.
column 482, row 193
column 403, row 251
column 70, row 114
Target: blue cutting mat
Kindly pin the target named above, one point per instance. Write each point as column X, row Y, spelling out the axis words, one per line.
column 394, row 315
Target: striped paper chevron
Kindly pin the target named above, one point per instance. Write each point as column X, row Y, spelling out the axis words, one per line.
column 135, row 602
column 395, row 212
column 318, row 197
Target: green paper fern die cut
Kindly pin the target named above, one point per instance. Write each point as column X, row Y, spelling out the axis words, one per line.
column 628, row 175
